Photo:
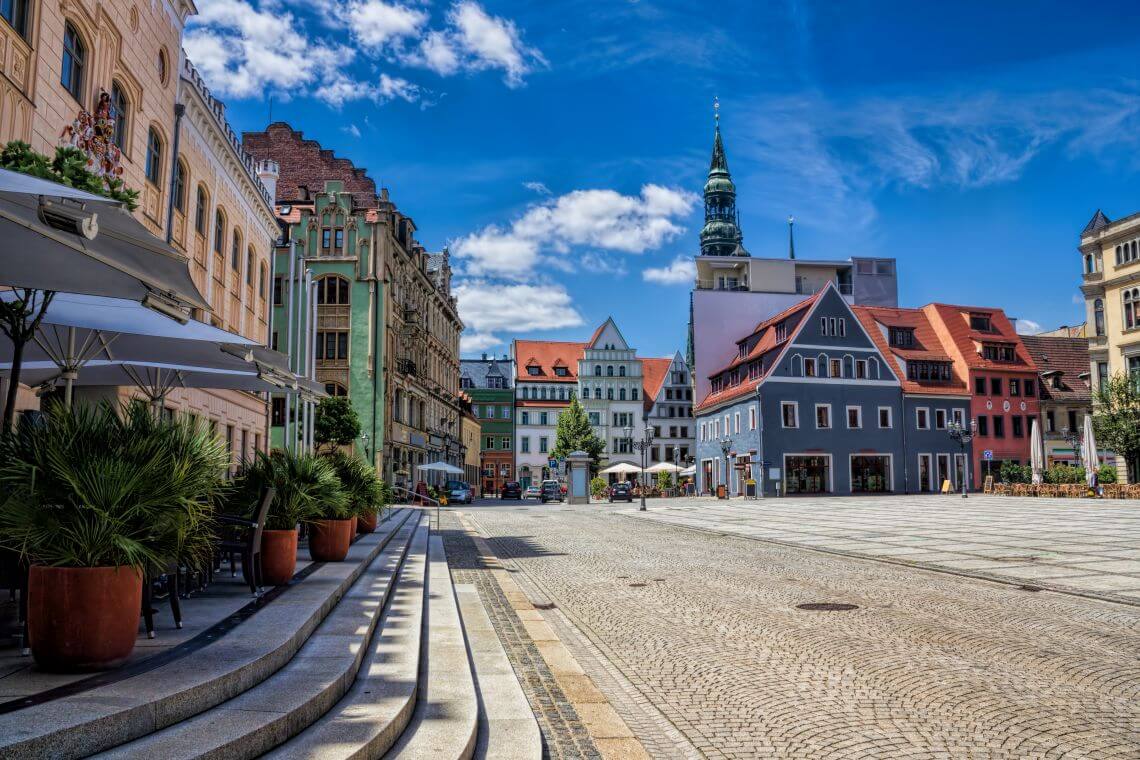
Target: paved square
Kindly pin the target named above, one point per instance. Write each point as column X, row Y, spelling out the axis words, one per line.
column 1078, row 545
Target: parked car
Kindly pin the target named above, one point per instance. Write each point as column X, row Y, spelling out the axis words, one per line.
column 551, row 491
column 511, row 490
column 459, row 492
column 622, row 491
column 532, row 492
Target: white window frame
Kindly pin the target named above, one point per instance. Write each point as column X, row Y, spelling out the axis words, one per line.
column 524, row 444
column 795, row 415
column 937, row 413
column 703, row 431
column 890, row 417
column 727, row 425
column 918, row 412
column 890, row 466
column 815, row 367
column 830, row 422
column 958, row 416
column 843, row 332
column 736, row 422
column 859, row 410
column 752, row 418
column 823, row 326
column 861, row 363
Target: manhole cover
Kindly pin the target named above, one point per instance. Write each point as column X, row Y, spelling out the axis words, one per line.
column 1030, row 588
column 637, row 585
column 544, row 606
column 827, row 607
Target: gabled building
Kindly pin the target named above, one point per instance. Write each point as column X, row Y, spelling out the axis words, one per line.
column 611, row 390
column 669, row 409
column 809, row 393
column 546, row 379
column 935, row 396
column 987, row 351
column 490, row 384
column 1063, row 390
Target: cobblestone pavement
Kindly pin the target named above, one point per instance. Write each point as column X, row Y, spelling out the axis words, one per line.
column 563, row 734
column 931, row 665
column 1079, row 545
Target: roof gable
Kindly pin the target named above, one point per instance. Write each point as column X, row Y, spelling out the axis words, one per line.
column 1098, row 222
column 927, row 347
column 608, row 334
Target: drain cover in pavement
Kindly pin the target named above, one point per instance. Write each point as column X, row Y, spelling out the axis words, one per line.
column 827, row 607
column 1031, row 588
column 544, row 606
column 637, row 585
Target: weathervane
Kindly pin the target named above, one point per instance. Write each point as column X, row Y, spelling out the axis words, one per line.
column 716, row 109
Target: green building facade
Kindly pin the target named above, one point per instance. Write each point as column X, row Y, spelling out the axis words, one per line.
column 488, row 381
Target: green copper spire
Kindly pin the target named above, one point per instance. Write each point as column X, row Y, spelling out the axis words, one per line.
column 721, row 234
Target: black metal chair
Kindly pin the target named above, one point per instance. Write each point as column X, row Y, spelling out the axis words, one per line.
column 247, row 543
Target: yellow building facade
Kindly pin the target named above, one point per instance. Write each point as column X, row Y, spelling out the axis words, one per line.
column 1110, row 257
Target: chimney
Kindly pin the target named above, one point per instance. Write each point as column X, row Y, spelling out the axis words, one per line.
column 484, row 356
column 268, row 172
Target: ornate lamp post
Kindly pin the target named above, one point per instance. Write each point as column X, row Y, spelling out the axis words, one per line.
column 964, row 435
column 725, row 447
column 677, row 472
column 1073, row 438
column 641, row 446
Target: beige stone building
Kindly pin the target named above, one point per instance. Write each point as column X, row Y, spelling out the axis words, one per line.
column 1110, row 258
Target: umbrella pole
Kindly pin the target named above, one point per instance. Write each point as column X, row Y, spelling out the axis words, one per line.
column 69, row 376
column 15, row 325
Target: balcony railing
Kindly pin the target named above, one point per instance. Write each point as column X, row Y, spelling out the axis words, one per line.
column 719, row 285
column 406, row 367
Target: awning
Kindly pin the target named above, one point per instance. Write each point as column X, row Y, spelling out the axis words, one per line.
column 61, row 239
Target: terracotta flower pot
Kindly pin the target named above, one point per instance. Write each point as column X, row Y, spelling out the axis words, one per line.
column 83, row 618
column 366, row 523
column 329, row 540
column 355, row 526
column 278, row 556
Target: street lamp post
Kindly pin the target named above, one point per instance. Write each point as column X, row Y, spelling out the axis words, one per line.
column 964, row 435
column 725, row 447
column 1073, row 438
column 641, row 446
column 677, row 472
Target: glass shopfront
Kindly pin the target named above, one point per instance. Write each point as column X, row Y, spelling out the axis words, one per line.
column 807, row 474
column 871, row 473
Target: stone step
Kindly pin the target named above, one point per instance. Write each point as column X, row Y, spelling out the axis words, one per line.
column 507, row 727
column 446, row 718
column 104, row 717
column 283, row 705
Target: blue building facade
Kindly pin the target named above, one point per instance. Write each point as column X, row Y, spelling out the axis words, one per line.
column 813, row 405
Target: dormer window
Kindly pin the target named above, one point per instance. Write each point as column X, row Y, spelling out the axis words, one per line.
column 928, row 372
column 999, row 352
column 742, row 350
column 561, row 372
column 534, row 370
column 901, row 337
column 980, row 322
column 465, row 382
column 781, row 332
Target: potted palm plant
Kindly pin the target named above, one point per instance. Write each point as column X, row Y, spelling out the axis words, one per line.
column 361, row 486
column 94, row 498
column 331, row 523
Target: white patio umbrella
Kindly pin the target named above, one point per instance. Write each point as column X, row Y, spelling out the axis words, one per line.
column 440, row 467
column 621, row 468
column 688, row 471
column 663, row 467
column 1036, row 452
column 1089, row 456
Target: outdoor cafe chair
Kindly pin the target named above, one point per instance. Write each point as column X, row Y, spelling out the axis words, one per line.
column 247, row 544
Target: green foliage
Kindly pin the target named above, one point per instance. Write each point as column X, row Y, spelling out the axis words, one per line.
column 307, row 489
column 1015, row 473
column 68, row 167
column 360, row 483
column 598, row 486
column 1116, row 418
column 664, row 480
column 1106, row 473
column 336, row 423
column 575, row 434
column 1064, row 473
column 90, row 487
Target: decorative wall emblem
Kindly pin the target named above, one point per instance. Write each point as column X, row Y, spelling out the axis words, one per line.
column 94, row 135
column 1005, row 406
column 989, row 404
column 1023, row 406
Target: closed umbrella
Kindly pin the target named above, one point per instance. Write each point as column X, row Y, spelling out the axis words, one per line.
column 1036, row 451
column 1089, row 455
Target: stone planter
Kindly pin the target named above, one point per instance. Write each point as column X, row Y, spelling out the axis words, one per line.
column 83, row 618
column 366, row 523
column 329, row 539
column 278, row 556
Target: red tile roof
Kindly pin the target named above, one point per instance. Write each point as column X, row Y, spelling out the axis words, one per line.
column 952, row 324
column 653, row 374
column 545, row 354
column 1068, row 357
column 928, row 347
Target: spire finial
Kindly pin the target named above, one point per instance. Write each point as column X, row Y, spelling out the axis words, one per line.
column 716, row 110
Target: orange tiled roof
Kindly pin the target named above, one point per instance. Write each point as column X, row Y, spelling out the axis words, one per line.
column 545, row 354
column 653, row 374
column 1068, row 357
column 952, row 324
column 928, row 346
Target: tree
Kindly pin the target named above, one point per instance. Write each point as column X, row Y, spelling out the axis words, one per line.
column 1116, row 416
column 337, row 423
column 575, row 434
column 664, row 480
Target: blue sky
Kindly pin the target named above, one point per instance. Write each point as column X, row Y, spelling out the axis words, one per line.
column 558, row 147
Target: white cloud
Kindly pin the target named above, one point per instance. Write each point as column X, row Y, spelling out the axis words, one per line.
column 1028, row 327
column 602, row 219
column 1078, row 299
column 537, row 187
column 680, row 271
column 492, row 42
column 487, row 308
column 377, row 24
column 438, row 53
column 352, row 130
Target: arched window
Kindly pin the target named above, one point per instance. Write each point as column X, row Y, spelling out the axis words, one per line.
column 609, row 370
column 1118, row 256
column 200, row 213
column 179, row 189
column 1131, row 308
column 610, row 394
column 153, row 156
column 597, row 370
column 332, row 290
column 219, row 232
column 235, row 251
column 621, row 371
column 121, row 112
column 585, row 393
column 1098, row 316
column 74, row 62
column 634, row 396
column 262, row 279
column 621, row 394
column 249, row 266
column 598, row 392
column 335, row 389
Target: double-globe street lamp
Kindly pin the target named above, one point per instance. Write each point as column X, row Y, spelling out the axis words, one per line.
column 725, row 447
column 641, row 446
column 963, row 435
column 1073, row 438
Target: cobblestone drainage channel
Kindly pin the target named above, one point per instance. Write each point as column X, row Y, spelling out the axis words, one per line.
column 827, row 607
column 1030, row 588
column 637, row 585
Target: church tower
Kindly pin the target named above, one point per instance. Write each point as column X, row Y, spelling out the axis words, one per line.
column 721, row 234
